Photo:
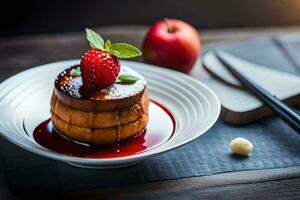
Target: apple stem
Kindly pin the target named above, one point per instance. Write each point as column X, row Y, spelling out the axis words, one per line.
column 170, row 29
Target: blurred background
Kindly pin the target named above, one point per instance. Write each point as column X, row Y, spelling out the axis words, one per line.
column 33, row 16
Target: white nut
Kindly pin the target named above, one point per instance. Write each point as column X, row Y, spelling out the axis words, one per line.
column 241, row 146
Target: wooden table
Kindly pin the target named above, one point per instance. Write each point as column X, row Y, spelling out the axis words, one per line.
column 21, row 52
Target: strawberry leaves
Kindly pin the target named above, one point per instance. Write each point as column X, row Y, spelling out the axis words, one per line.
column 128, row 79
column 76, row 72
column 96, row 41
column 123, row 50
column 120, row 50
column 107, row 45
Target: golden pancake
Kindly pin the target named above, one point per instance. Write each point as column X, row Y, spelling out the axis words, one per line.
column 99, row 119
column 104, row 116
column 100, row 135
column 69, row 90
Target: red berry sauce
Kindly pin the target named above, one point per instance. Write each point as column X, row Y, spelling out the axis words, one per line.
column 160, row 128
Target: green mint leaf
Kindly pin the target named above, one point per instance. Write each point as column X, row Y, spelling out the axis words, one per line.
column 128, row 79
column 123, row 50
column 76, row 71
column 96, row 41
column 107, row 45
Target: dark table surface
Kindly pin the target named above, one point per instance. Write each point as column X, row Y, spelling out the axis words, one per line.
column 21, row 52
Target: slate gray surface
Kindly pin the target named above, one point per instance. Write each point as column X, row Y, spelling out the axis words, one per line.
column 275, row 146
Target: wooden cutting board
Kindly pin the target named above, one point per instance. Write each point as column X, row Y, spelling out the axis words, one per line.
column 239, row 106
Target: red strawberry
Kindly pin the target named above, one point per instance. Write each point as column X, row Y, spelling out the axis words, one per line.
column 99, row 69
column 100, row 66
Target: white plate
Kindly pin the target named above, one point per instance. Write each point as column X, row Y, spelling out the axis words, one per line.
column 25, row 97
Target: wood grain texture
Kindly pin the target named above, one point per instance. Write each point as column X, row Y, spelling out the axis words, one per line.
column 204, row 187
column 259, row 184
column 20, row 53
column 33, row 50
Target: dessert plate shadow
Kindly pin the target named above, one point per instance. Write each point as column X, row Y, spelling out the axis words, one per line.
column 25, row 103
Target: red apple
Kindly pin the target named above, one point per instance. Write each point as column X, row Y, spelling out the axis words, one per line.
column 172, row 43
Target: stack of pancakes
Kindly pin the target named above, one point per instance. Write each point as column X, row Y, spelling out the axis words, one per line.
column 106, row 116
